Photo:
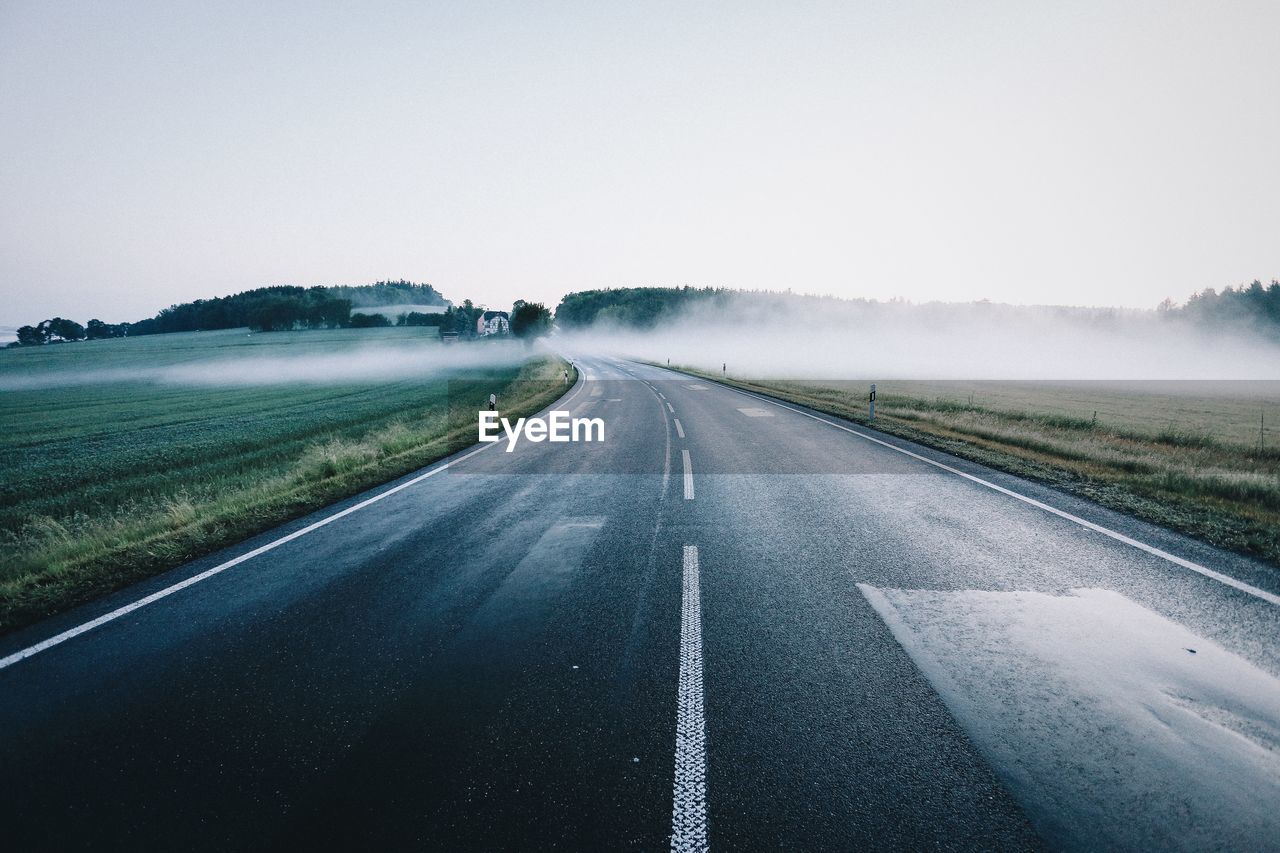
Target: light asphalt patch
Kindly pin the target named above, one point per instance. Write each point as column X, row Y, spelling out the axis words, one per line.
column 756, row 413
column 545, row 571
column 1115, row 727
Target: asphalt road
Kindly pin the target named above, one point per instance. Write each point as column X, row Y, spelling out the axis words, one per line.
column 729, row 623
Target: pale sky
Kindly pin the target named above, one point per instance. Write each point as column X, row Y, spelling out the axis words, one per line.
column 1075, row 153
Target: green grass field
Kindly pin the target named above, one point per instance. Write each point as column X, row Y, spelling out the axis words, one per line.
column 1188, row 455
column 105, row 479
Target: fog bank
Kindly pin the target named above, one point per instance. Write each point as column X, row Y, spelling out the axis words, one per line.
column 368, row 364
column 830, row 339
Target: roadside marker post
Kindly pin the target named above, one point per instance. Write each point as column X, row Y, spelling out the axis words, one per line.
column 871, row 402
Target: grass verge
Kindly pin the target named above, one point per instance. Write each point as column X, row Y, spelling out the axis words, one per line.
column 1222, row 492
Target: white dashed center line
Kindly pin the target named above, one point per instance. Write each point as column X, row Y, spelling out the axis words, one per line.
column 688, row 476
column 679, row 429
column 689, row 803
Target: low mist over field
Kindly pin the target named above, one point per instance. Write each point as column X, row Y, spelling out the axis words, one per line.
column 781, row 336
column 234, row 358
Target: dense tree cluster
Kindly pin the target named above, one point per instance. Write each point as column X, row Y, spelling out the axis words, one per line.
column 56, row 330
column 267, row 309
column 461, row 319
column 97, row 330
column 388, row 293
column 368, row 321
column 530, row 319
column 418, row 318
column 1251, row 304
column 642, row 307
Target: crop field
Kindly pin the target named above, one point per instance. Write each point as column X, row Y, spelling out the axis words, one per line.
column 1199, row 457
column 121, row 458
column 1229, row 412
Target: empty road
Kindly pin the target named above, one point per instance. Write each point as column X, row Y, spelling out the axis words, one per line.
column 732, row 624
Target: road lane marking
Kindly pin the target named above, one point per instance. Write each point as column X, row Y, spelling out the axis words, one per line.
column 689, row 800
column 71, row 633
column 671, row 409
column 679, row 429
column 1226, row 580
column 663, row 396
column 688, row 476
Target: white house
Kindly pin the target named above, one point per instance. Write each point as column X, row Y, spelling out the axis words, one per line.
column 493, row 323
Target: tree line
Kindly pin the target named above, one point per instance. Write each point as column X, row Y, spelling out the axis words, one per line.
column 285, row 308
column 1253, row 305
column 641, row 307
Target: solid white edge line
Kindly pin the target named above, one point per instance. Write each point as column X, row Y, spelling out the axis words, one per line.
column 679, row 429
column 688, row 475
column 1227, row 580
column 689, row 790
column 71, row 633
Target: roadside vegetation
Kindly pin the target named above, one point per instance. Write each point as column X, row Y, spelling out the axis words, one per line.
column 1194, row 457
column 103, row 483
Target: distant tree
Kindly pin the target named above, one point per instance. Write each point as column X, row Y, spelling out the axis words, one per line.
column 273, row 314
column 97, row 330
column 62, row 329
column 274, row 308
column 419, row 318
column 31, row 336
column 323, row 312
column 1252, row 305
column 462, row 319
column 530, row 319
column 369, row 321
column 642, row 307
column 389, row 293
